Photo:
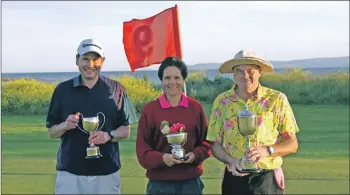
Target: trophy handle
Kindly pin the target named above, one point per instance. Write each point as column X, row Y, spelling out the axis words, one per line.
column 81, row 129
column 185, row 140
column 104, row 120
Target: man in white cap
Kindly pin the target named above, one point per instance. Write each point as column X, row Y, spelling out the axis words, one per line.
column 89, row 95
column 275, row 131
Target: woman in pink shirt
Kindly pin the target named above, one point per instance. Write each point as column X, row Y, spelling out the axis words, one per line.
column 168, row 174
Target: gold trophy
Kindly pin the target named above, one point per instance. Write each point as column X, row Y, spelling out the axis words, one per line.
column 247, row 125
column 90, row 125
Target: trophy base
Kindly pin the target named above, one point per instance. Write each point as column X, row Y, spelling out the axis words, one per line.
column 250, row 171
column 93, row 157
column 249, row 166
column 93, row 152
column 181, row 158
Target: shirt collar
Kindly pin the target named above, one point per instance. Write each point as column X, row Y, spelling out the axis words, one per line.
column 78, row 83
column 261, row 91
column 165, row 104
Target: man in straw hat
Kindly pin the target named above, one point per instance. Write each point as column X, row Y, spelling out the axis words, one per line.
column 275, row 134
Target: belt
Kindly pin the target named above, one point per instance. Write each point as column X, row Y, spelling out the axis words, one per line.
column 263, row 171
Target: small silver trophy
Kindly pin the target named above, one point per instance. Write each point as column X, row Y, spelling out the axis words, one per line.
column 247, row 124
column 176, row 141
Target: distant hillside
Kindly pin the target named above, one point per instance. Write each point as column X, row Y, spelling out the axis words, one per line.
column 305, row 63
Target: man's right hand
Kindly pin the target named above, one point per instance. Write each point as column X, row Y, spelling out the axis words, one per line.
column 235, row 167
column 72, row 121
column 169, row 160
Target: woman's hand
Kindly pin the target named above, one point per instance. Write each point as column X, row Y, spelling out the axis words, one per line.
column 190, row 157
column 169, row 160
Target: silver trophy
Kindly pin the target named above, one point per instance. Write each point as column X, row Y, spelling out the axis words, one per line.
column 176, row 141
column 247, row 125
column 90, row 125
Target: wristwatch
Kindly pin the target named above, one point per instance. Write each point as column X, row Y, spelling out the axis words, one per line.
column 111, row 134
column 271, row 150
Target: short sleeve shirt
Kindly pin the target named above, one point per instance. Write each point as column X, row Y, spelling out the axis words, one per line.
column 108, row 97
column 275, row 118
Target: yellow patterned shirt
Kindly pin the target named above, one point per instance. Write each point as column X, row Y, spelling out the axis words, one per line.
column 275, row 118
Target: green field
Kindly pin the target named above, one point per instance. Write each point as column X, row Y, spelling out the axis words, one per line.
column 321, row 165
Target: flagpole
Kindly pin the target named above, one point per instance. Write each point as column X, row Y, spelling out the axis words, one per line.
column 185, row 88
column 177, row 30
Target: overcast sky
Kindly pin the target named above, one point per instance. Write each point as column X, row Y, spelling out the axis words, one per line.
column 44, row 36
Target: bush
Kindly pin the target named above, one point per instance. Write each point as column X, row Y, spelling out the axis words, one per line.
column 300, row 86
column 197, row 76
column 29, row 96
column 303, row 88
column 199, row 87
column 25, row 96
column 140, row 90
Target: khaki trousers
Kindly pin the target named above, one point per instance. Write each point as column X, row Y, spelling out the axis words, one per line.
column 67, row 183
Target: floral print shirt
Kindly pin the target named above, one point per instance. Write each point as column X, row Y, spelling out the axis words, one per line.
column 274, row 115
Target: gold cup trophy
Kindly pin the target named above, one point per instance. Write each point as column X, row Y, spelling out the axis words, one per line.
column 90, row 125
column 247, row 125
column 176, row 141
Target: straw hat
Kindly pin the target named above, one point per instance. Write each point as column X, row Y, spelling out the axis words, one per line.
column 244, row 58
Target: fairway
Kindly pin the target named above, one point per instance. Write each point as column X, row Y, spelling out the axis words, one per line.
column 321, row 165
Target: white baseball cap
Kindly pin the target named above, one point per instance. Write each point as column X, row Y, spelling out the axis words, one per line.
column 90, row 45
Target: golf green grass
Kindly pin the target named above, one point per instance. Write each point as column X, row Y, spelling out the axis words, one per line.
column 321, row 166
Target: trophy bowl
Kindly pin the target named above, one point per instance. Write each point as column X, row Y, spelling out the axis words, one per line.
column 90, row 125
column 176, row 140
column 246, row 126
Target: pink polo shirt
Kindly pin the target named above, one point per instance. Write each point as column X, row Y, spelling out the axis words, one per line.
column 164, row 103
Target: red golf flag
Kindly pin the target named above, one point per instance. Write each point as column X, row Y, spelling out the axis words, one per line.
column 149, row 41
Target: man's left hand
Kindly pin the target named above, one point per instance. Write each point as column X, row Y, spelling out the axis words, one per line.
column 257, row 153
column 99, row 137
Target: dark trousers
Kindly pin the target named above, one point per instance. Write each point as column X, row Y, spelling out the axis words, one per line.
column 259, row 183
column 192, row 186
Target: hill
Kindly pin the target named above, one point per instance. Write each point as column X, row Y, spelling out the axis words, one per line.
column 304, row 63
